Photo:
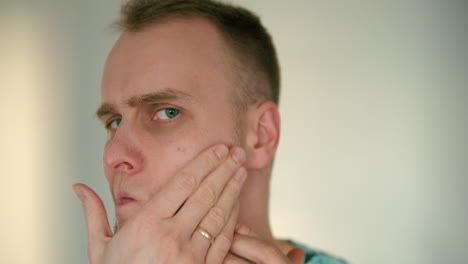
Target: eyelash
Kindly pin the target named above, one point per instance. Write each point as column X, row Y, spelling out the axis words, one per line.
column 165, row 107
column 109, row 122
column 154, row 113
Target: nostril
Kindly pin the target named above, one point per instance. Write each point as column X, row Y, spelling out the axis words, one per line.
column 124, row 166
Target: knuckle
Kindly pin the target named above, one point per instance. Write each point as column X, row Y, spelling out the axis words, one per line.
column 230, row 260
column 208, row 193
column 235, row 238
column 268, row 249
column 188, row 182
column 218, row 216
column 231, row 165
column 225, row 239
column 211, row 159
column 227, row 169
column 217, row 255
column 233, row 188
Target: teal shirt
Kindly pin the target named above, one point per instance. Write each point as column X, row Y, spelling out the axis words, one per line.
column 317, row 257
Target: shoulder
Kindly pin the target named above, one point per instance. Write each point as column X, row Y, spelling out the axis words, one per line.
column 317, row 257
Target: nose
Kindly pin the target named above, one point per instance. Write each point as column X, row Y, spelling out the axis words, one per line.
column 123, row 153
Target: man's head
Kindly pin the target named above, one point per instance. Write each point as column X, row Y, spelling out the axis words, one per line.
column 253, row 56
column 185, row 75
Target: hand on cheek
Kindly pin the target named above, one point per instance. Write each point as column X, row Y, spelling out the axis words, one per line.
column 203, row 195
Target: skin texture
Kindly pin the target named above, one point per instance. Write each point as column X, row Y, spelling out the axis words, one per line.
column 184, row 65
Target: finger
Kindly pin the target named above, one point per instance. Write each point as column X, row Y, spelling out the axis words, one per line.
column 169, row 199
column 296, row 255
column 257, row 250
column 217, row 217
column 207, row 195
column 220, row 248
column 97, row 225
column 233, row 259
column 246, row 231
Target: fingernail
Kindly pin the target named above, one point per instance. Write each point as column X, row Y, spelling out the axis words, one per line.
column 238, row 155
column 240, row 174
column 79, row 194
column 221, row 152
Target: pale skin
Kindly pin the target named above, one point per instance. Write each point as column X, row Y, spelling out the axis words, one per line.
column 175, row 157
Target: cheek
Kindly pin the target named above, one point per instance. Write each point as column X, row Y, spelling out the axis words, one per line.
column 181, row 150
column 173, row 155
column 170, row 151
column 163, row 163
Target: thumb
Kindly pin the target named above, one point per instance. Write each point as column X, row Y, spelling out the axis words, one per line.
column 296, row 255
column 96, row 217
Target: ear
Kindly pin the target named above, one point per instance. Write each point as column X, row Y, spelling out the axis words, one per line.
column 263, row 132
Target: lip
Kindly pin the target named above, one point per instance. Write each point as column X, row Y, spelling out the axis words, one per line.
column 126, row 205
column 124, row 199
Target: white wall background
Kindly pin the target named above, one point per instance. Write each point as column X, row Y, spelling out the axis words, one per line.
column 373, row 161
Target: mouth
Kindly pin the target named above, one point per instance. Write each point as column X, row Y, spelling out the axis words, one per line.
column 124, row 200
column 125, row 206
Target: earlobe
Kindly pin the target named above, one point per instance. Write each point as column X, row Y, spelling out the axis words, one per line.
column 262, row 135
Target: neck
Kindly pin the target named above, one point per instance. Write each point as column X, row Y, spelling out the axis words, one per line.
column 254, row 203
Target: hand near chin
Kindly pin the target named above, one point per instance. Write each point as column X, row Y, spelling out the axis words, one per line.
column 166, row 229
column 249, row 247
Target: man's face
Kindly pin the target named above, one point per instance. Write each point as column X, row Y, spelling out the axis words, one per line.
column 167, row 95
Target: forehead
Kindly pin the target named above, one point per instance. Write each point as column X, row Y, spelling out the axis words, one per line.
column 182, row 54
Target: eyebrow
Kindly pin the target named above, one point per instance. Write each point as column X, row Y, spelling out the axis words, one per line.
column 149, row 98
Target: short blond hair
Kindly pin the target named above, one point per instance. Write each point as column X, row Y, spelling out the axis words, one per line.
column 243, row 31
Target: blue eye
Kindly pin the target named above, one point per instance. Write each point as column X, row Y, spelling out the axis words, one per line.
column 114, row 123
column 167, row 113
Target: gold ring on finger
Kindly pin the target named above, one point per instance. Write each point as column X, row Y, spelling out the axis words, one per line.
column 205, row 233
